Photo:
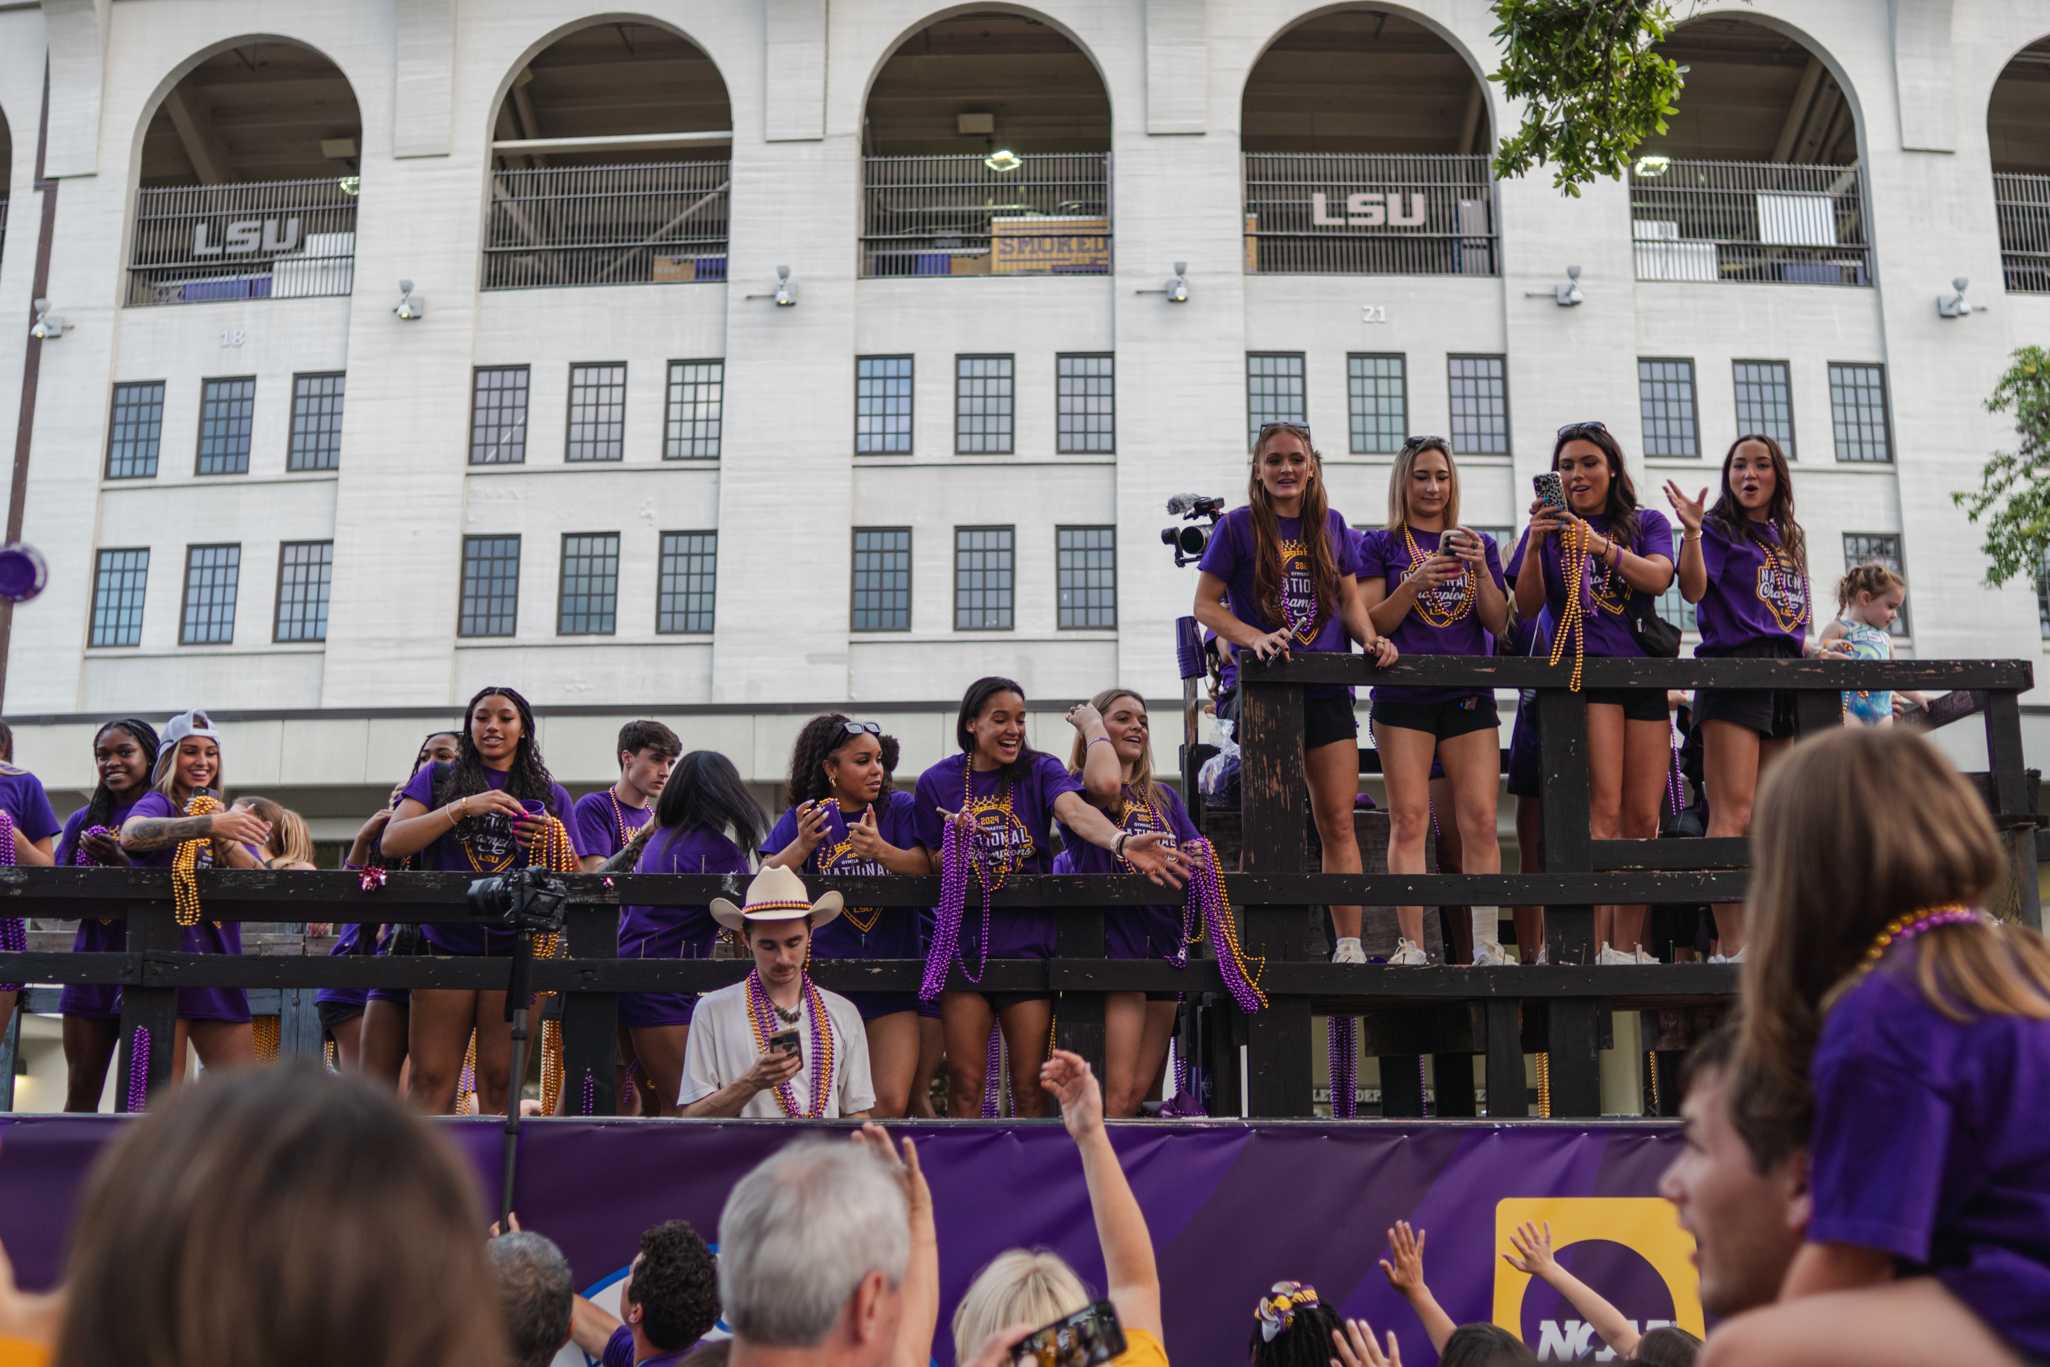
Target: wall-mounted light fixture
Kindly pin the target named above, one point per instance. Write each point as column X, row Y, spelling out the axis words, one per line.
column 1566, row 296
column 48, row 327
column 1955, row 305
column 412, row 308
column 785, row 293
column 1177, row 287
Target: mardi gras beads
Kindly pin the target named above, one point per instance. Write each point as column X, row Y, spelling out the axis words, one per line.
column 1205, row 892
column 185, row 863
column 1428, row 603
column 760, row 1015
column 1904, row 928
column 1573, row 619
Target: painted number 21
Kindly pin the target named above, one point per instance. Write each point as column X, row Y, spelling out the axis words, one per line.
column 1373, row 313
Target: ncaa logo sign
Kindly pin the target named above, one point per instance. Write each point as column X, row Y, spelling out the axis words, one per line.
column 1631, row 1249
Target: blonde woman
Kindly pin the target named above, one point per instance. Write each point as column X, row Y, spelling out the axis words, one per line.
column 290, row 845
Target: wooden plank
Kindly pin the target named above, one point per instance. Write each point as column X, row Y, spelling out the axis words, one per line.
column 1569, row 930
column 1517, row 672
column 2014, row 793
column 1506, row 1088
column 1575, row 1059
column 151, row 1008
column 1816, row 714
column 1272, row 797
column 1402, row 1086
column 590, row 1019
column 10, row 1050
column 1078, row 1012
column 1718, row 852
column 1452, row 1080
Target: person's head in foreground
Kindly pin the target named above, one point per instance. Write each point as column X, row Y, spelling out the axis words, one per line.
column 1667, row 1346
column 535, row 1292
column 1292, row 1328
column 813, row 1247
column 279, row 1215
column 1019, row 1287
column 1484, row 1345
column 672, row 1291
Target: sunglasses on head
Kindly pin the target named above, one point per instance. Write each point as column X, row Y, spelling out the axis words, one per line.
column 1425, row 443
column 1581, row 428
column 862, row 728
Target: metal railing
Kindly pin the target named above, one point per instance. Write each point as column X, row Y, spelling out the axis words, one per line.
column 1050, row 214
column 279, row 239
column 653, row 223
column 1750, row 221
column 1343, row 213
column 2022, row 204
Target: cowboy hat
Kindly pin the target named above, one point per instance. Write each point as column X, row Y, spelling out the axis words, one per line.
column 776, row 894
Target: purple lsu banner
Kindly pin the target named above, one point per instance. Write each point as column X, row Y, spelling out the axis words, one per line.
column 1232, row 1207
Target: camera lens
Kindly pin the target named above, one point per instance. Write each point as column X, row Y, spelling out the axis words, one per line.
column 1193, row 539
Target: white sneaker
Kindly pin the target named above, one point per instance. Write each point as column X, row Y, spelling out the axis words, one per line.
column 1544, row 956
column 1736, row 958
column 1349, row 951
column 1408, row 955
column 1488, row 954
column 1611, row 956
column 1645, row 956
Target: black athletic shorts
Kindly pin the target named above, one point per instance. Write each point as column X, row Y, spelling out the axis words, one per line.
column 1771, row 712
column 1328, row 719
column 1447, row 719
column 1638, row 704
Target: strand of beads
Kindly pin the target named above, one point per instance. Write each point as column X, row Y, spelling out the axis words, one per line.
column 760, row 1016
column 993, row 1074
column 552, row 1071
column 1904, row 928
column 946, row 931
column 1676, row 792
column 1345, row 1063
column 557, row 853
column 138, row 1070
column 13, row 930
column 1206, row 890
column 588, row 1102
column 1572, row 618
column 185, row 864
column 1427, row 599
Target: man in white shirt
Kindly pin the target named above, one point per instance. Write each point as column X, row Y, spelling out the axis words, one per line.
column 741, row 1058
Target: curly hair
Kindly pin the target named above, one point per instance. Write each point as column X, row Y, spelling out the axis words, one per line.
column 676, row 1284
column 1306, row 1342
column 528, row 777
column 821, row 736
column 1870, row 577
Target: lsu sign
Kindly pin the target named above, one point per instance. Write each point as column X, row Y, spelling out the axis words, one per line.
column 1370, row 209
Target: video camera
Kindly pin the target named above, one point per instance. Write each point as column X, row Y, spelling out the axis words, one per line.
column 1189, row 539
column 528, row 899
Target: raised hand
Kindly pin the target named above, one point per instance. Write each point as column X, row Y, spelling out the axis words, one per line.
column 1531, row 1248
column 241, row 825
column 1353, row 1346
column 1082, row 717
column 1406, row 1248
column 917, row 1194
column 1154, row 854
column 863, row 836
column 1690, row 511
column 1068, row 1077
column 814, row 819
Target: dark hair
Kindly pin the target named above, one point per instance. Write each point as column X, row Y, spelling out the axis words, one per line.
column 1772, row 1129
column 420, row 756
column 1484, row 1345
column 676, row 1286
column 101, row 808
column 528, row 777
column 892, row 752
column 1730, row 520
column 1667, row 1346
column 6, row 743
column 218, row 1266
column 821, row 736
column 535, row 1292
column 705, row 791
column 972, row 702
column 1305, row 1343
column 1622, row 505
column 637, row 736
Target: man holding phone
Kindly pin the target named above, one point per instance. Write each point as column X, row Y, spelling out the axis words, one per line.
column 776, row 1044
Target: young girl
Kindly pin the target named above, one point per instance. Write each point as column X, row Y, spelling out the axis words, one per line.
column 214, row 1019
column 290, row 845
column 1868, row 598
column 1005, row 797
column 34, row 828
column 1292, row 1327
column 1627, row 552
column 705, row 822
column 1744, row 564
column 1113, row 757
column 1286, row 563
column 477, row 816
column 844, row 818
column 124, row 753
column 1435, row 588
column 1912, row 1033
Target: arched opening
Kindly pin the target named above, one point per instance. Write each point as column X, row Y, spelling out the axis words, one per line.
column 1756, row 179
column 611, row 163
column 1365, row 139
column 247, row 180
column 2018, row 139
column 986, row 151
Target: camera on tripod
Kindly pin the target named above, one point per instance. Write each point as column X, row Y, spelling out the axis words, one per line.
column 527, row 899
column 1189, row 539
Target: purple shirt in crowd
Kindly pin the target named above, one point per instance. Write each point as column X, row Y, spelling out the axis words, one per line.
column 1230, row 557
column 21, row 794
column 1386, row 558
column 619, row 1352
column 1020, row 838
column 1748, row 599
column 601, row 824
column 1147, row 932
column 647, row 932
column 197, row 1003
column 100, row 1001
column 892, row 932
column 1610, row 602
column 1929, row 1144
column 481, row 845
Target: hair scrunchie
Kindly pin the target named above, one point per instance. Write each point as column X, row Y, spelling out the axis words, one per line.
column 1277, row 1309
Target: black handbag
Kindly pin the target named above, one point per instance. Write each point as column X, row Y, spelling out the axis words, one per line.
column 1655, row 636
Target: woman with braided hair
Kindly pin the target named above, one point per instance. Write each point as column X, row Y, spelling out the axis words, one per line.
column 495, row 806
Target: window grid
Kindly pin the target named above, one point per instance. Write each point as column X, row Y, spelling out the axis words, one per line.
column 227, row 409
column 316, row 442
column 985, row 578
column 305, row 574
column 697, row 404
column 882, row 579
column 120, row 581
column 1274, row 391
column 882, row 405
column 587, row 603
column 687, row 582
column 597, row 411
column 1480, row 405
column 212, row 575
column 1665, row 396
column 1862, row 548
column 1765, row 401
column 1085, row 404
column 1857, row 411
column 135, row 430
column 984, row 399
column 1675, row 608
column 1377, row 397
column 498, row 415
column 491, row 586
column 1086, row 577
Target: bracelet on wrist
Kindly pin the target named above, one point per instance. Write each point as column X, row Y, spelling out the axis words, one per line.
column 1097, row 740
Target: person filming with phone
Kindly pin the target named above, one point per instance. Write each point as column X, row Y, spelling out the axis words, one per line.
column 776, row 1044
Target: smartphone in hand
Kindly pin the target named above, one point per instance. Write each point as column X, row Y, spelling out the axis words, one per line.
column 1550, row 488
column 1086, row 1338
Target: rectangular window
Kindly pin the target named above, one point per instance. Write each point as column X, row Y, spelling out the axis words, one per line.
column 1480, row 405
column 226, row 410
column 984, row 390
column 120, row 579
column 1274, row 390
column 588, row 601
column 1085, row 405
column 316, row 423
column 1676, row 609
column 985, row 572
column 498, row 415
column 687, row 582
column 1857, row 410
column 882, row 405
column 882, row 579
column 1665, row 396
column 1086, row 572
column 491, row 586
column 1863, row 548
column 697, row 402
column 597, row 411
column 1377, row 395
column 212, row 574
column 305, row 572
column 1765, row 401
column 135, row 431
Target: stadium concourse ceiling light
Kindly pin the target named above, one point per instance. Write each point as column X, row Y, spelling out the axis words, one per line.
column 1003, row 159
column 411, row 308
column 1955, row 305
column 1177, row 287
column 1566, row 296
column 48, row 327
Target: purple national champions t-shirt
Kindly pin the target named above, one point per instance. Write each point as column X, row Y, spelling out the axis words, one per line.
column 1015, row 818
column 481, row 845
column 601, row 824
column 1230, row 557
column 197, row 1003
column 1609, row 601
column 861, row 932
column 1388, row 558
column 1752, row 594
column 1134, row 932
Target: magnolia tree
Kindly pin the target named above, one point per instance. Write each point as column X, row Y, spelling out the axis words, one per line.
column 2012, row 501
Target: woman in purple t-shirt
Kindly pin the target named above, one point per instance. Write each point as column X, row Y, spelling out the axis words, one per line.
column 1286, row 564
column 472, row 817
column 35, row 826
column 1629, row 562
column 1436, row 588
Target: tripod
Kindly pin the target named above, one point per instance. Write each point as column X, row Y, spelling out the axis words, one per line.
column 530, row 902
